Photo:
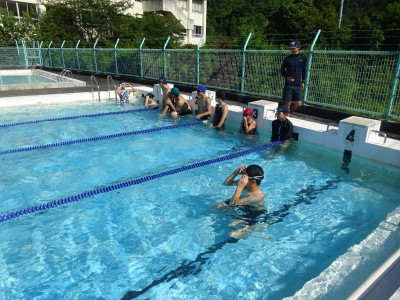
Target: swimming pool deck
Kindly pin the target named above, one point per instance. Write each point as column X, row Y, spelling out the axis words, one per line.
column 384, row 282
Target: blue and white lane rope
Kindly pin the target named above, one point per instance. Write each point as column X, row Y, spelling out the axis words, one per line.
column 99, row 138
column 77, row 117
column 55, row 203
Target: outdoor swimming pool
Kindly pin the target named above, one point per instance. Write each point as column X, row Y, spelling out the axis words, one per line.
column 161, row 239
column 24, row 79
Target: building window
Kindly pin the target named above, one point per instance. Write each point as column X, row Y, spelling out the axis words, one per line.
column 183, row 4
column 197, row 5
column 197, row 30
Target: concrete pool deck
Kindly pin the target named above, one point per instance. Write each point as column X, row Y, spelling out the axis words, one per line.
column 373, row 145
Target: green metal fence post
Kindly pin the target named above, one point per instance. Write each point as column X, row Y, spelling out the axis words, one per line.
column 25, row 53
column 309, row 66
column 165, row 58
column 115, row 56
column 394, row 86
column 94, row 56
column 62, row 53
column 51, row 42
column 198, row 60
column 40, row 54
column 77, row 55
column 19, row 59
column 141, row 58
column 244, row 63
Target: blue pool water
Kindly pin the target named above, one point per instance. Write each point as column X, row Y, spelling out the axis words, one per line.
column 162, row 239
column 24, row 79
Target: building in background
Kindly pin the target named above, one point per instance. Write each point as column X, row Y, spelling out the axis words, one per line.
column 192, row 14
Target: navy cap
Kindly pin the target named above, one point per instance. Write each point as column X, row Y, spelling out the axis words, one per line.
column 162, row 79
column 283, row 109
column 294, row 44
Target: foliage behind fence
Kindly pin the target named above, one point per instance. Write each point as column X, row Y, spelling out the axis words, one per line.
column 358, row 81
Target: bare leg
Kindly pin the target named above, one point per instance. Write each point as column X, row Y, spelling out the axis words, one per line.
column 296, row 106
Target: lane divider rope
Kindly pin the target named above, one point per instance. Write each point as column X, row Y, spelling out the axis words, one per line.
column 99, row 138
column 74, row 198
column 77, row 117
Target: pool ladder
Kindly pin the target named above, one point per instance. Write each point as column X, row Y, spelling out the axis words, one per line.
column 92, row 78
column 109, row 78
column 63, row 74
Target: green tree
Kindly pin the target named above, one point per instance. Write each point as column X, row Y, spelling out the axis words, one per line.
column 389, row 21
column 85, row 20
column 12, row 29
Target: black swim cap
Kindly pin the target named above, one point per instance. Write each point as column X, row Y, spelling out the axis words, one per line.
column 220, row 94
column 255, row 171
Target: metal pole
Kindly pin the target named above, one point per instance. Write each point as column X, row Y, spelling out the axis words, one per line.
column 19, row 60
column 25, row 53
column 341, row 13
column 309, row 66
column 94, row 55
column 115, row 56
column 77, row 55
column 394, row 85
column 141, row 58
column 165, row 58
column 244, row 63
column 51, row 42
column 62, row 53
column 198, row 60
column 40, row 54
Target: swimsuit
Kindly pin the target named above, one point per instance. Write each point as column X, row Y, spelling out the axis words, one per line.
column 218, row 116
column 124, row 96
column 243, row 129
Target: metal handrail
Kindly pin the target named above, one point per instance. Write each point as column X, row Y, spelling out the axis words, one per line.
column 63, row 74
column 91, row 84
column 109, row 77
column 332, row 123
column 381, row 133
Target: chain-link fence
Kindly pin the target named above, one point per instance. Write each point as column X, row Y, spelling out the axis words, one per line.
column 355, row 81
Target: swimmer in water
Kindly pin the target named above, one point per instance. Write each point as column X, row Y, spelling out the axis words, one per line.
column 248, row 206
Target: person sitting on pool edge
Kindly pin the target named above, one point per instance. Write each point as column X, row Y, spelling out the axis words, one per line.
column 169, row 106
column 123, row 92
column 248, row 125
column 162, row 81
column 220, row 112
column 251, row 204
column 204, row 104
column 181, row 105
column 149, row 101
column 282, row 128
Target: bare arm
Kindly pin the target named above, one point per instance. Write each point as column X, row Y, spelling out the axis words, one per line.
column 229, row 180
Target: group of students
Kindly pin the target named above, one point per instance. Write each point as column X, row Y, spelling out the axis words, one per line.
column 175, row 104
column 251, row 205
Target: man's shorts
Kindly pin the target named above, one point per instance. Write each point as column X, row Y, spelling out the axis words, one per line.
column 292, row 93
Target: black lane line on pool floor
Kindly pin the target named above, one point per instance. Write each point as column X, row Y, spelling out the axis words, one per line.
column 77, row 117
column 194, row 267
column 55, row 203
column 99, row 138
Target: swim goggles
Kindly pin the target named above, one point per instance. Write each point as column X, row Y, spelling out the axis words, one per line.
column 257, row 177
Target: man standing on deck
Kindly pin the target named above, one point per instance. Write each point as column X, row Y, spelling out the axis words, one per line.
column 294, row 71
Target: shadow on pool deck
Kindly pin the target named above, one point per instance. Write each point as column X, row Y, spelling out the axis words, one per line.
column 306, row 112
